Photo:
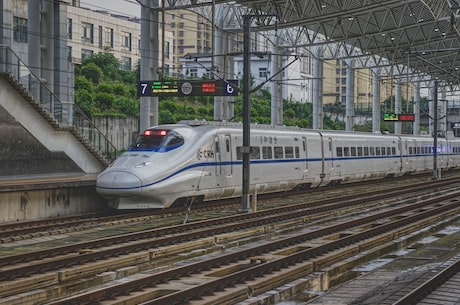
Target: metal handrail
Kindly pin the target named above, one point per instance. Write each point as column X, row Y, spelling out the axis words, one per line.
column 66, row 114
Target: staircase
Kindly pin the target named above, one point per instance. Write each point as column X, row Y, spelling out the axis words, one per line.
column 65, row 117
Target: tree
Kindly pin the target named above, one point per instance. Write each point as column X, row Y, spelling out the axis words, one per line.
column 92, row 73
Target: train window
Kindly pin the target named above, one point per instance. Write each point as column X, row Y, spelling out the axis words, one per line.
column 377, row 151
column 304, row 148
column 239, row 154
column 353, row 151
column 267, row 152
column 372, row 151
column 278, row 151
column 288, row 152
column 410, row 150
column 346, row 151
column 393, row 151
column 389, row 151
column 297, row 152
column 255, row 152
column 227, row 145
column 382, row 150
column 156, row 139
column 360, row 151
column 339, row 151
column 366, row 151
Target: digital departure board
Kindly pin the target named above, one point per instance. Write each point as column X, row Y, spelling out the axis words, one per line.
column 399, row 117
column 188, row 88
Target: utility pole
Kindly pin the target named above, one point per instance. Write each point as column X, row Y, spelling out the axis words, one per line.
column 246, row 149
column 435, row 131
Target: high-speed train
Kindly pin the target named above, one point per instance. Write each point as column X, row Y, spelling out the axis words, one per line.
column 200, row 160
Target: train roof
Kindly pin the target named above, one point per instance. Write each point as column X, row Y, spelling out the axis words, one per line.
column 195, row 123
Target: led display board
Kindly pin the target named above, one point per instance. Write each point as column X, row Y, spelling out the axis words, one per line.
column 398, row 117
column 183, row 88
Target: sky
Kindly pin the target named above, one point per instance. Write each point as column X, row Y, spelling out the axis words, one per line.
column 129, row 8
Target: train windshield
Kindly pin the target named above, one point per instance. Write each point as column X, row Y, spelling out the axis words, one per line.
column 160, row 140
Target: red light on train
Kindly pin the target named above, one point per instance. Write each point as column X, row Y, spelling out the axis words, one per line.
column 149, row 132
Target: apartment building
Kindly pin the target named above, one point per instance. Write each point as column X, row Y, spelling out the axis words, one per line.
column 335, row 81
column 87, row 32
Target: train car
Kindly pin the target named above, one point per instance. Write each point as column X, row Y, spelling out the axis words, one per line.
column 200, row 160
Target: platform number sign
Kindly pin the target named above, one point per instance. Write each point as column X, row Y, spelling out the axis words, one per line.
column 188, row 88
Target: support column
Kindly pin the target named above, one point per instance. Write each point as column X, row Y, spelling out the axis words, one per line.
column 33, row 37
column 398, row 105
column 416, row 108
column 433, row 96
column 149, row 61
column 277, row 100
column 350, row 105
column 155, row 47
column 376, row 102
column 317, row 89
column 229, row 112
column 443, row 113
column 218, row 59
column 47, row 42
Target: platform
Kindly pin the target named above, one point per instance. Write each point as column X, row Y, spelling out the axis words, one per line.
column 43, row 196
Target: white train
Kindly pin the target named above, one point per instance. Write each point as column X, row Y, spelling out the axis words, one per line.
column 203, row 161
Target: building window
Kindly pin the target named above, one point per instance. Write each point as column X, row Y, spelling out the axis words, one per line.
column 100, row 37
column 69, row 28
column 86, row 54
column 125, row 63
column 108, row 37
column 69, row 54
column 87, row 32
column 193, row 72
column 263, row 72
column 167, row 50
column 126, row 40
column 20, row 29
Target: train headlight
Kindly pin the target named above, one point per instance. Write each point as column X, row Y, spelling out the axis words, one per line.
column 144, row 164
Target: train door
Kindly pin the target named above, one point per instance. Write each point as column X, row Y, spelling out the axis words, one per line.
column 405, row 149
column 329, row 156
column 305, row 155
column 223, row 155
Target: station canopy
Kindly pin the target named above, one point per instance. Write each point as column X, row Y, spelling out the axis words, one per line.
column 418, row 38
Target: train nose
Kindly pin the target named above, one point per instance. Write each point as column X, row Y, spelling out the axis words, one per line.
column 119, row 184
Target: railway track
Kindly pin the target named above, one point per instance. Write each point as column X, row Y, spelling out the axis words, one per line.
column 248, row 268
column 10, row 232
column 159, row 249
column 441, row 288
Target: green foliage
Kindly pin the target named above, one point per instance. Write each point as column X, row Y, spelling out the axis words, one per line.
column 92, row 73
column 104, row 101
column 82, row 83
column 84, row 100
column 102, row 88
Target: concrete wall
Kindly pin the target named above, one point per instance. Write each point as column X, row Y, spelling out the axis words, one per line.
column 121, row 131
column 30, row 204
column 22, row 154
